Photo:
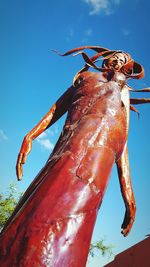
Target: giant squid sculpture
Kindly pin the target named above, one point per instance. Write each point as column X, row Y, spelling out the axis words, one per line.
column 53, row 223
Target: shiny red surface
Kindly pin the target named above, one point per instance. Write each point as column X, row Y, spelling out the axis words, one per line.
column 53, row 223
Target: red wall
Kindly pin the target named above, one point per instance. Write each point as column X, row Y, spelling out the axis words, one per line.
column 136, row 256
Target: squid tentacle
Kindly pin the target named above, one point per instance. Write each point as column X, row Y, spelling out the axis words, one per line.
column 145, row 90
column 90, row 62
column 135, row 110
column 95, row 48
column 137, row 101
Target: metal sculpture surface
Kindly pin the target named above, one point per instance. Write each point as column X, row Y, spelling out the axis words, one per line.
column 53, row 223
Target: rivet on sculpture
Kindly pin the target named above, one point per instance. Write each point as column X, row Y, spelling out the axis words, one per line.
column 53, row 223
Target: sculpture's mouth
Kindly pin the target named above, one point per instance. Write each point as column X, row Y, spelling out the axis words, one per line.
column 117, row 61
column 115, row 66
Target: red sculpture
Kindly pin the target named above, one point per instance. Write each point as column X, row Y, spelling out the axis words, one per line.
column 53, row 223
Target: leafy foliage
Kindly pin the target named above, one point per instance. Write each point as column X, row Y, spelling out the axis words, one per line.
column 8, row 201
column 99, row 246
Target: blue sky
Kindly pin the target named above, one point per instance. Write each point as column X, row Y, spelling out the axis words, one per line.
column 32, row 78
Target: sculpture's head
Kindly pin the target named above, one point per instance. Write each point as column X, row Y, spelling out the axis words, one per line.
column 121, row 61
column 113, row 60
column 116, row 61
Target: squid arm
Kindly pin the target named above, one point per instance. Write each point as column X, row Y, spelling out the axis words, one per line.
column 135, row 110
column 127, row 191
column 56, row 111
column 137, row 101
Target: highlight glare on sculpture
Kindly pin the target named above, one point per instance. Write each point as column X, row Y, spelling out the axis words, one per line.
column 53, row 223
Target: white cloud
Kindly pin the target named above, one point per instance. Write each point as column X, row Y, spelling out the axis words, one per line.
column 54, row 131
column 3, row 136
column 88, row 32
column 42, row 135
column 126, row 32
column 117, row 2
column 101, row 5
column 70, row 34
column 86, row 35
column 44, row 141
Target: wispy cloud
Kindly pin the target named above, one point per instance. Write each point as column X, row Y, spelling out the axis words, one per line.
column 98, row 6
column 88, row 32
column 45, row 142
column 70, row 34
column 117, row 2
column 3, row 136
column 126, row 32
column 54, row 131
